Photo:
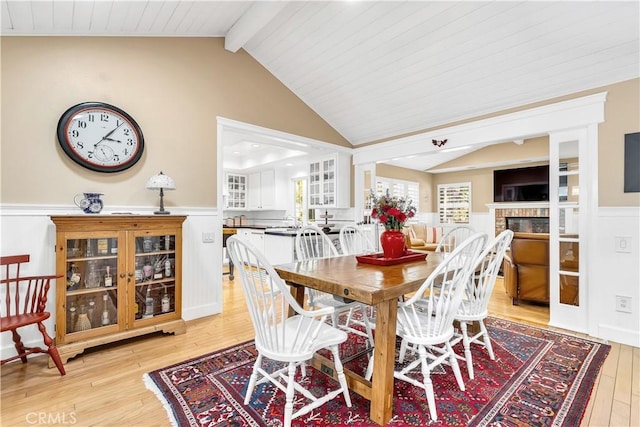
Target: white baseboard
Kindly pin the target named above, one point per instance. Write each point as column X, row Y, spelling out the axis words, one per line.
column 619, row 335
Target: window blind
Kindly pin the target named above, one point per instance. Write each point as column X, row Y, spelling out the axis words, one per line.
column 454, row 203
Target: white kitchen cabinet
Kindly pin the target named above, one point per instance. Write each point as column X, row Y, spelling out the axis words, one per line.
column 237, row 191
column 254, row 236
column 243, row 234
column 329, row 182
column 279, row 249
column 262, row 192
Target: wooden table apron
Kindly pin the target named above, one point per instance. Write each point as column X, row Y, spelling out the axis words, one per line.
column 375, row 285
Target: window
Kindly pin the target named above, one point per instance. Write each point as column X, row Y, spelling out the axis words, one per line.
column 454, row 203
column 300, row 198
column 398, row 188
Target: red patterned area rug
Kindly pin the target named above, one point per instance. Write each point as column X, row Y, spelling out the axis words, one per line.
column 539, row 378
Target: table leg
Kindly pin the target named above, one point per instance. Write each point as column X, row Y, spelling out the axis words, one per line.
column 383, row 365
column 231, row 276
column 297, row 292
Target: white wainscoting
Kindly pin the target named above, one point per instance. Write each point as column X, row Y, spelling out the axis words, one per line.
column 27, row 229
column 615, row 273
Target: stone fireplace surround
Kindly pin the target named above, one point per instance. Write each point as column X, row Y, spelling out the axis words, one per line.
column 500, row 211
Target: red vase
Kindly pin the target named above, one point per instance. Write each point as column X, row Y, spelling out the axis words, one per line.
column 393, row 243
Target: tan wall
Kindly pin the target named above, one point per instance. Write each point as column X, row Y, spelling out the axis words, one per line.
column 423, row 179
column 507, row 152
column 622, row 115
column 173, row 87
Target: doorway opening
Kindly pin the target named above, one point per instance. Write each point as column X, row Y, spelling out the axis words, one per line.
column 300, row 201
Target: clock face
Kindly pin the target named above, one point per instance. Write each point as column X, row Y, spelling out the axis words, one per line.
column 100, row 137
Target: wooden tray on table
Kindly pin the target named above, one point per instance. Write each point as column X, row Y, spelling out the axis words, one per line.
column 379, row 259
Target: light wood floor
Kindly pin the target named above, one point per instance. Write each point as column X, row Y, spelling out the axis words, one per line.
column 103, row 387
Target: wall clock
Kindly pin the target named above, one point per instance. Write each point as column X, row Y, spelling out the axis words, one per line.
column 100, row 137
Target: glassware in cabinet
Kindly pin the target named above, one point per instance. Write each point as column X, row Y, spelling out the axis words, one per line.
column 90, row 261
column 89, row 310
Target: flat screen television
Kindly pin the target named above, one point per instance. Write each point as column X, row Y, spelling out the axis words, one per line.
column 530, row 184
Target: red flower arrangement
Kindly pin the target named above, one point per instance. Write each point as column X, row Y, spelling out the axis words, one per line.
column 392, row 212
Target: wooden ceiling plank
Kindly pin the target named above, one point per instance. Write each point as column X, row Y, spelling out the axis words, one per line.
column 131, row 22
column 19, row 16
column 163, row 16
column 43, row 17
column 63, row 16
column 82, row 13
column 178, row 15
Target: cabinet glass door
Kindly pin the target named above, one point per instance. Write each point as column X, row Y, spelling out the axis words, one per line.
column 329, row 182
column 155, row 280
column 237, row 188
column 92, row 286
column 314, row 184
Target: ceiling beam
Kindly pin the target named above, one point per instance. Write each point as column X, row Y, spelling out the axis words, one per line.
column 252, row 21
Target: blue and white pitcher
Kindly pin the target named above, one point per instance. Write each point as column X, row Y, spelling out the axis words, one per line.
column 89, row 202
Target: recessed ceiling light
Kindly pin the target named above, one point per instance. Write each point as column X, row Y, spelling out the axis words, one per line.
column 255, row 145
column 236, row 152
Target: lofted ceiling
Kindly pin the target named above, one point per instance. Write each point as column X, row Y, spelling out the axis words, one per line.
column 376, row 70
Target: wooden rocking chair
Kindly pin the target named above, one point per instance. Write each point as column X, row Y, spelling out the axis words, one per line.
column 25, row 301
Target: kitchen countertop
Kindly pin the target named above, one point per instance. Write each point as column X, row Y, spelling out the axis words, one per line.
column 277, row 230
column 293, row 233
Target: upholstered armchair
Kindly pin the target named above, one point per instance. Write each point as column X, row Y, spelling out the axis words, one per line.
column 526, row 268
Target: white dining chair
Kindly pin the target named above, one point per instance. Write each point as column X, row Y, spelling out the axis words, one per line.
column 476, row 298
column 284, row 338
column 312, row 243
column 425, row 320
column 453, row 237
column 354, row 242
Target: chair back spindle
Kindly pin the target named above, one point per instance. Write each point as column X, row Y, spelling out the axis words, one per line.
column 453, row 238
column 22, row 295
column 354, row 242
column 312, row 243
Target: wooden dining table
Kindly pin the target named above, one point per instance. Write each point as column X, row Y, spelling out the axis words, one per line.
column 379, row 286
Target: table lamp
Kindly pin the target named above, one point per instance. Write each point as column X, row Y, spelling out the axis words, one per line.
column 161, row 182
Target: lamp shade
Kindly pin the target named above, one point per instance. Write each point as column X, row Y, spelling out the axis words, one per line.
column 161, row 181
